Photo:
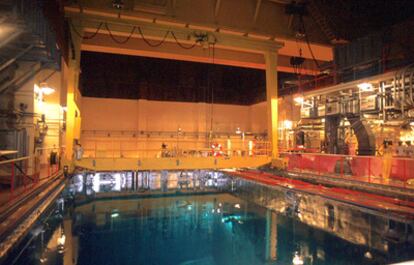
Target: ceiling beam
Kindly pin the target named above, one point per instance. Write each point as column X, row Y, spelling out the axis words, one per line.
column 122, row 26
column 169, row 50
column 322, row 52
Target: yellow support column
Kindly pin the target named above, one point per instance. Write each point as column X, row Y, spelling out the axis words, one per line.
column 272, row 102
column 272, row 108
column 73, row 96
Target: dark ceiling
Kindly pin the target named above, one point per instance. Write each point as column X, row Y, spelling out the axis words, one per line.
column 351, row 19
column 133, row 77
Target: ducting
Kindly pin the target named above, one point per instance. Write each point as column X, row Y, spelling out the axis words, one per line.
column 364, row 135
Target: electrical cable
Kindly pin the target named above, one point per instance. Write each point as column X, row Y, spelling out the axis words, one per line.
column 154, row 45
column 307, row 42
column 181, row 45
column 151, row 44
column 212, row 92
column 207, row 92
column 85, row 37
column 120, row 41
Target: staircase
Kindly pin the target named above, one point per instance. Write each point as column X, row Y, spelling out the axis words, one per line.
column 28, row 44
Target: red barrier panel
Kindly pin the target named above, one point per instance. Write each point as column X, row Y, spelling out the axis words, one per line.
column 364, row 167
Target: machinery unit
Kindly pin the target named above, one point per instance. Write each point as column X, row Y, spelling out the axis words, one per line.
column 332, row 108
column 386, row 100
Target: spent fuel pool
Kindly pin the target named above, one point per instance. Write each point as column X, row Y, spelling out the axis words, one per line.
column 205, row 218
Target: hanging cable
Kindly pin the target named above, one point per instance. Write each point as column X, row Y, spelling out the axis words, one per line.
column 152, row 44
column 120, row 41
column 85, row 37
column 207, row 92
column 308, row 43
column 181, row 45
column 212, row 92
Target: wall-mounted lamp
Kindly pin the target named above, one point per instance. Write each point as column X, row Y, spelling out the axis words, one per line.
column 299, row 100
column 46, row 89
column 43, row 89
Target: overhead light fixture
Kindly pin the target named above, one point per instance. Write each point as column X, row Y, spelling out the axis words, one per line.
column 365, row 86
column 238, row 131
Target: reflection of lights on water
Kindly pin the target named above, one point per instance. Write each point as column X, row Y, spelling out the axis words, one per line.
column 297, row 260
column 368, row 255
column 218, row 210
column 114, row 215
column 189, row 207
column 237, row 206
column 232, row 219
column 213, row 211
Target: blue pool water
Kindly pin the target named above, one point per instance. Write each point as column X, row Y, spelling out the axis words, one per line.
column 207, row 224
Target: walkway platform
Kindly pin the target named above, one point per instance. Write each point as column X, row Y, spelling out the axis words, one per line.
column 180, row 163
column 372, row 201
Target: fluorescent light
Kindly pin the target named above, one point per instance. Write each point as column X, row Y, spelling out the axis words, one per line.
column 365, row 86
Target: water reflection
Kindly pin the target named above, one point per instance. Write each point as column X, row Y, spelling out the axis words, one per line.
column 101, row 182
column 223, row 221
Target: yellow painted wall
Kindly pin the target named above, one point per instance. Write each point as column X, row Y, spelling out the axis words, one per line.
column 122, row 114
column 258, row 117
column 110, row 125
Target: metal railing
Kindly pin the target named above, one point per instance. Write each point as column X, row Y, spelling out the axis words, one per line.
column 386, row 170
column 20, row 175
column 129, row 149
